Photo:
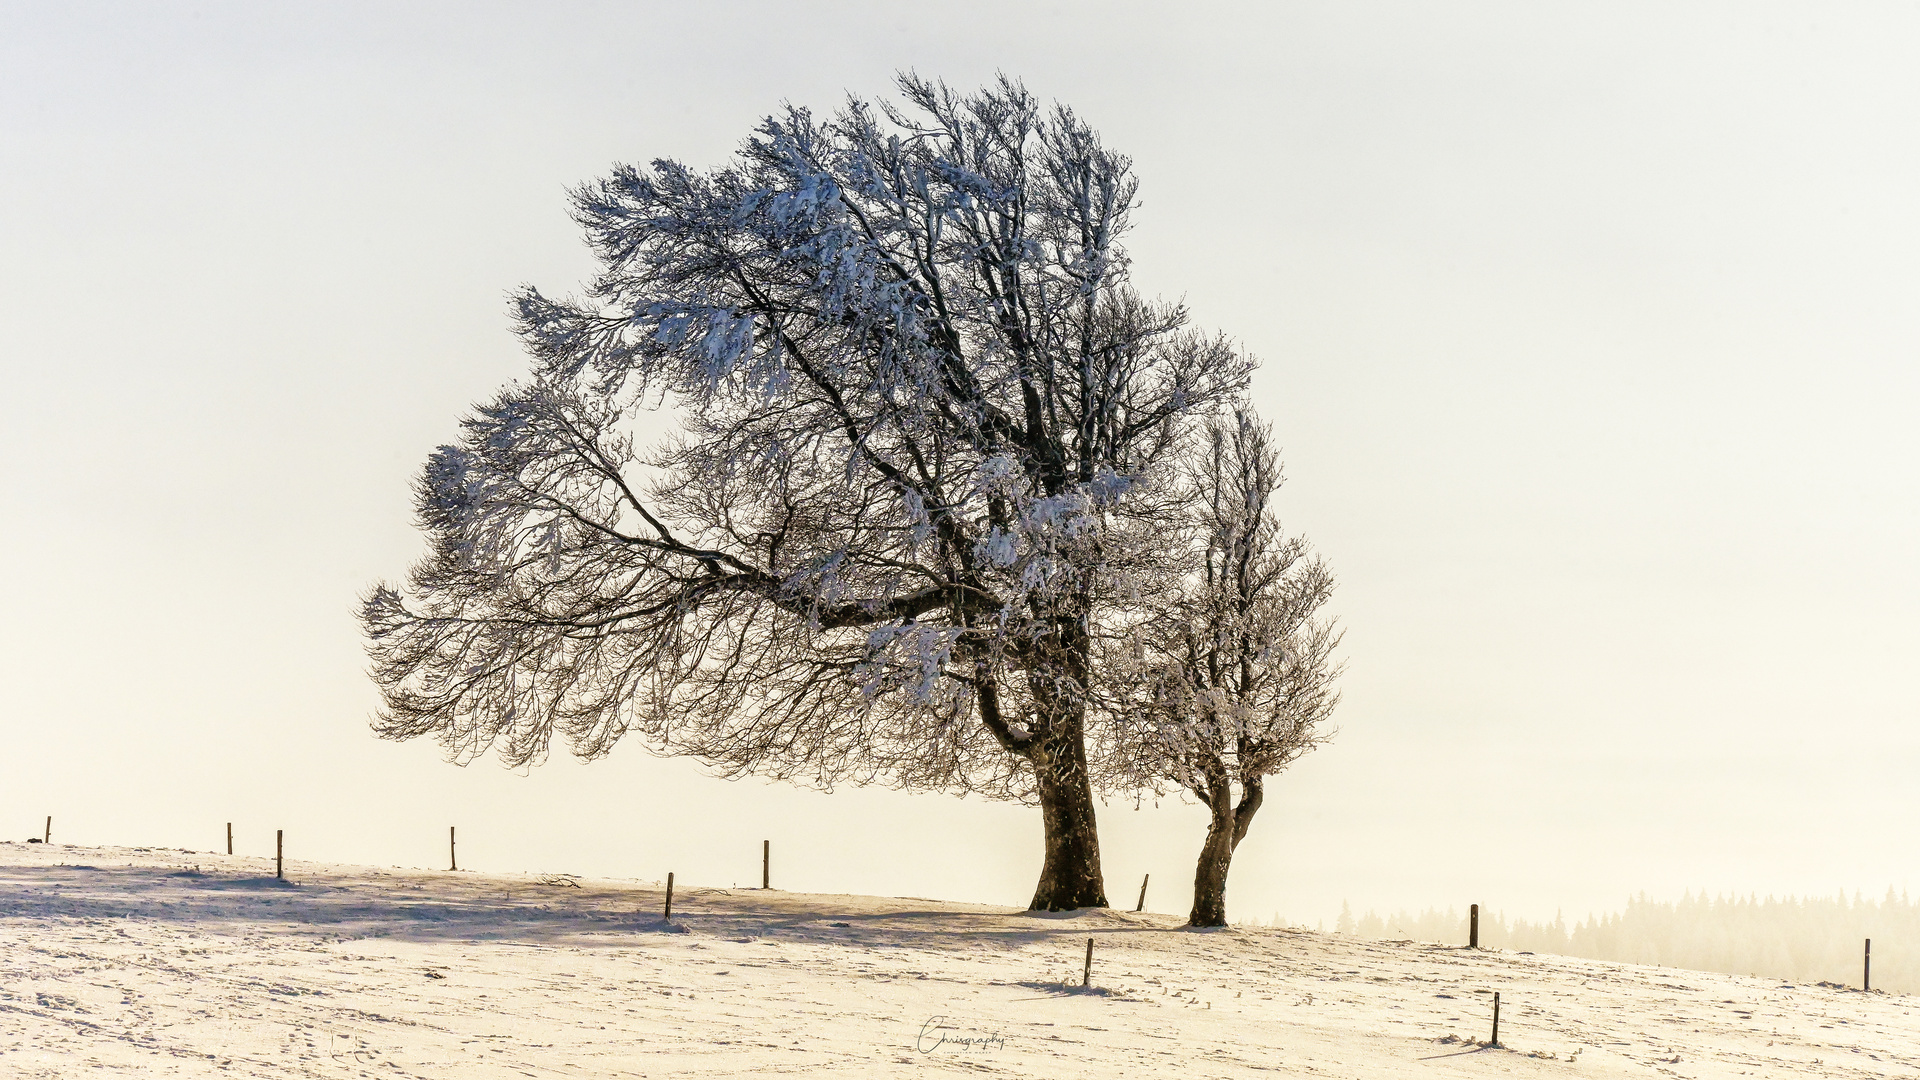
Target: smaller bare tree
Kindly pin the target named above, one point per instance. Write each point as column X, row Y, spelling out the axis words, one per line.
column 1229, row 672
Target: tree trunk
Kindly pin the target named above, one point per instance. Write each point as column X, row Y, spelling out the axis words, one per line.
column 1070, row 877
column 1225, row 830
column 1210, row 877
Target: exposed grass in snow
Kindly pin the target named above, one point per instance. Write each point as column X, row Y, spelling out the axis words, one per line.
column 146, row 962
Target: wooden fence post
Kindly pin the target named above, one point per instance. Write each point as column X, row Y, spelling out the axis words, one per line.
column 453, row 853
column 669, row 913
column 47, row 837
column 1473, row 927
column 1496, row 1019
column 766, row 864
column 1086, row 976
column 279, row 851
column 1866, row 967
column 229, row 837
column 1142, row 905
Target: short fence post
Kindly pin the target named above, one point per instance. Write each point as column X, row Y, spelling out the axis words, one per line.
column 279, row 850
column 668, row 916
column 766, row 864
column 453, row 853
column 1142, row 905
column 47, row 837
column 1086, row 976
column 1866, row 967
column 229, row 837
column 1473, row 927
column 1496, row 1019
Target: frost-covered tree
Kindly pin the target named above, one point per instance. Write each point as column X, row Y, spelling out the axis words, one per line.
column 1226, row 677
column 923, row 433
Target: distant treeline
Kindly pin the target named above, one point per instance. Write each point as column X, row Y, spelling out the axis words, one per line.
column 1797, row 940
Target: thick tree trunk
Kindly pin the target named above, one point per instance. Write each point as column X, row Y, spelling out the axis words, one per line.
column 1070, row 877
column 1225, row 830
column 1210, row 877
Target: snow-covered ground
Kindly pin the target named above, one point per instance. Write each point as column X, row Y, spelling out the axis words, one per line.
column 149, row 962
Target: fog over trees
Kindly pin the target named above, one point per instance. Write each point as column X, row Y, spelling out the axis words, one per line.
column 1805, row 940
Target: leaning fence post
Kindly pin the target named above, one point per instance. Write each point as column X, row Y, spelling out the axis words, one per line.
column 1086, row 975
column 1496, row 1019
column 668, row 915
column 47, row 837
column 1473, row 927
column 1142, row 905
column 279, row 849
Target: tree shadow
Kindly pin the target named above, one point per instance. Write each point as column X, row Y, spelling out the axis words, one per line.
column 422, row 906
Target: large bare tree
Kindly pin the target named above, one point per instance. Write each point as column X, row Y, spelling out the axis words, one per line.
column 923, row 431
column 1225, row 675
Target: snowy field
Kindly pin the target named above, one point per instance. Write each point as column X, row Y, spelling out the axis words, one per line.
column 149, row 962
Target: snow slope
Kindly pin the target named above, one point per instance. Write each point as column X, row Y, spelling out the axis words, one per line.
column 147, row 962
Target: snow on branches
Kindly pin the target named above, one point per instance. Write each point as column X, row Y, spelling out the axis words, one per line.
column 925, row 430
column 1225, row 675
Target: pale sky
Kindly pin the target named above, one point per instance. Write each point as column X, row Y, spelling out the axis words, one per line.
column 1589, row 331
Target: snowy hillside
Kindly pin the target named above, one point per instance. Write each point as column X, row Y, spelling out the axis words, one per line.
column 147, row 962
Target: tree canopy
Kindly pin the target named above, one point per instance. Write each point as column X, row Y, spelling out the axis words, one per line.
column 923, row 433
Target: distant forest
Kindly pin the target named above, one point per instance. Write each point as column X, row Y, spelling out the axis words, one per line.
column 1801, row 941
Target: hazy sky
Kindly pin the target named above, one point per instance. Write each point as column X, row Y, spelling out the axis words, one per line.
column 1589, row 330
